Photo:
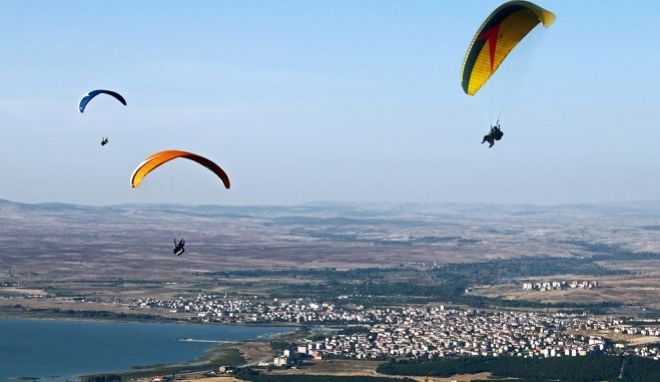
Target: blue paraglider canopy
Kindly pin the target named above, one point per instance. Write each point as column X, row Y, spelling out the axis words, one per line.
column 88, row 97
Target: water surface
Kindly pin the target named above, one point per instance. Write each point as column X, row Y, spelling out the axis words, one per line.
column 63, row 349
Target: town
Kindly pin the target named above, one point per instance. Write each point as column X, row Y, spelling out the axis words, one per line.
column 421, row 332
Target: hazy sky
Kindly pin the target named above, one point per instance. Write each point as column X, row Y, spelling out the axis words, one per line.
column 305, row 101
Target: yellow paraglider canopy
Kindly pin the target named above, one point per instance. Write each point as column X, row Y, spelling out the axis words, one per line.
column 496, row 38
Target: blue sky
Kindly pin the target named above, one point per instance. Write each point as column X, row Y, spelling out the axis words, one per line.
column 304, row 101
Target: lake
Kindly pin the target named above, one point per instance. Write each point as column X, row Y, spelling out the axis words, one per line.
column 56, row 349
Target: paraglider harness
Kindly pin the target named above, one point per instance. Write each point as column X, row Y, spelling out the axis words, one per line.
column 104, row 141
column 495, row 134
column 178, row 247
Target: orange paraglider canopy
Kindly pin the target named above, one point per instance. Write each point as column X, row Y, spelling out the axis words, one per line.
column 162, row 157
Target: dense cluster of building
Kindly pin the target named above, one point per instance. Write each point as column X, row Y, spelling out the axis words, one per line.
column 559, row 285
column 438, row 332
column 417, row 332
column 213, row 308
column 648, row 328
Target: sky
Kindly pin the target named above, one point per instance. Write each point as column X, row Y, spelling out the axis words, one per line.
column 303, row 101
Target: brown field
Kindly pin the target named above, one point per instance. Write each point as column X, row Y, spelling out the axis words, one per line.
column 114, row 254
column 365, row 368
column 69, row 242
column 210, row 379
column 256, row 351
column 335, row 367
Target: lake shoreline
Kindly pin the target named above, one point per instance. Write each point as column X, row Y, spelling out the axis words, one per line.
column 146, row 348
column 220, row 354
column 64, row 316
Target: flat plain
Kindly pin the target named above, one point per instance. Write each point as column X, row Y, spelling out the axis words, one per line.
column 112, row 253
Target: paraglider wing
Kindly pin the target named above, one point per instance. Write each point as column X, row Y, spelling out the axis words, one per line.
column 89, row 96
column 162, row 157
column 496, row 38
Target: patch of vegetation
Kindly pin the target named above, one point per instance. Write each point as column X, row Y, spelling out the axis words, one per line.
column 641, row 370
column 573, row 369
column 18, row 310
column 212, row 359
column 351, row 330
column 496, row 271
column 224, row 356
column 490, row 302
column 408, row 285
column 612, row 252
column 101, row 378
